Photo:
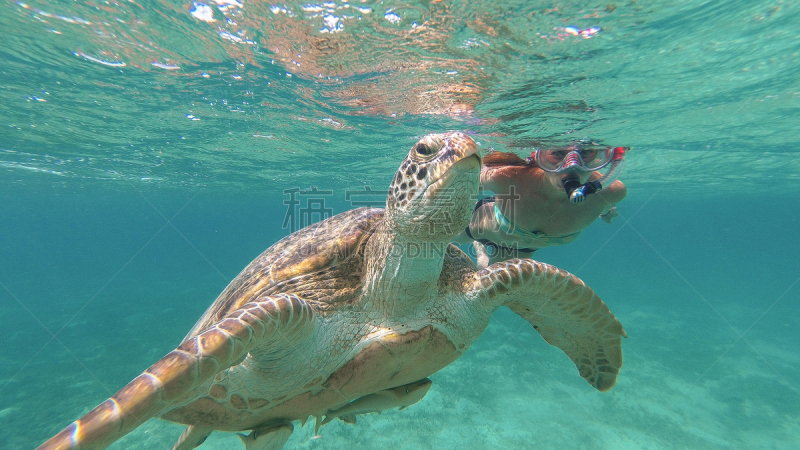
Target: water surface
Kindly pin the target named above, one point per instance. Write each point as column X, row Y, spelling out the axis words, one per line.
column 146, row 148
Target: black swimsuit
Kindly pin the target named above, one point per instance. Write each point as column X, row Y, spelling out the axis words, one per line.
column 487, row 242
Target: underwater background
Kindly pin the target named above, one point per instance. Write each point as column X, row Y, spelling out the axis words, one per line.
column 149, row 150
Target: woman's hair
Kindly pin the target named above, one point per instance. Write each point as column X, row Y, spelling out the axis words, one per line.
column 506, row 159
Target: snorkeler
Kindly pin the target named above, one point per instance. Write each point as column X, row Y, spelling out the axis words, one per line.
column 545, row 200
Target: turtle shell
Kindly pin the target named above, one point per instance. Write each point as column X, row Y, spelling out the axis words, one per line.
column 314, row 248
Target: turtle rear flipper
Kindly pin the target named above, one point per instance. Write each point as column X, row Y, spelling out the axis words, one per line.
column 565, row 312
column 397, row 397
column 196, row 360
column 270, row 437
column 349, row 418
column 192, row 437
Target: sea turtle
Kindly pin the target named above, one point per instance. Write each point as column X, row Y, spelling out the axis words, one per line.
column 351, row 315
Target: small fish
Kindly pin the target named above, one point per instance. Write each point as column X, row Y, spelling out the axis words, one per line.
column 401, row 396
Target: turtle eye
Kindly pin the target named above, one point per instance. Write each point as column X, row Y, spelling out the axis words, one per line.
column 424, row 149
column 428, row 148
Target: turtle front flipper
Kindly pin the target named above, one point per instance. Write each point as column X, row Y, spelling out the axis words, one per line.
column 563, row 309
column 167, row 382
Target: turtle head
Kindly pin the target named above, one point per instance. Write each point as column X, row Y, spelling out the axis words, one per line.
column 433, row 193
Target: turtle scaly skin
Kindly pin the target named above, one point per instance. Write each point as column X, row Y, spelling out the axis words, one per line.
column 347, row 310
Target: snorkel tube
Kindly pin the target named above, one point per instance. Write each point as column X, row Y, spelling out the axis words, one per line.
column 577, row 192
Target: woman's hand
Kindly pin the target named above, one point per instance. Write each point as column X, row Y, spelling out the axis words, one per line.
column 609, row 216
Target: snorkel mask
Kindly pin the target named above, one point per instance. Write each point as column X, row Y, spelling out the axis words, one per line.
column 582, row 160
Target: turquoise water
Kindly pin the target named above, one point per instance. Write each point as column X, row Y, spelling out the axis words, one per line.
column 122, row 216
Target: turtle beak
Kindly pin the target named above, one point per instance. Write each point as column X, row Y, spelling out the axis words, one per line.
column 468, row 164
